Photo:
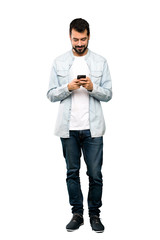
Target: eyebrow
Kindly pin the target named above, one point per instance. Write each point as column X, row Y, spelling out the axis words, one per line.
column 80, row 38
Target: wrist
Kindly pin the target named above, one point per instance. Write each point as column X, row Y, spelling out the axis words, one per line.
column 91, row 88
column 69, row 88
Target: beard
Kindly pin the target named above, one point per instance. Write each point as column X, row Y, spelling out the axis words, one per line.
column 80, row 49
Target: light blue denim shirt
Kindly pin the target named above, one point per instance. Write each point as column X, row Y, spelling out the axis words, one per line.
column 58, row 91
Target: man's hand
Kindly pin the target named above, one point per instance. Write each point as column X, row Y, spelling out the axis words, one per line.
column 86, row 83
column 73, row 85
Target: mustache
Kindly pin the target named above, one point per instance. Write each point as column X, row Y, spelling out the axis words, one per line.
column 79, row 46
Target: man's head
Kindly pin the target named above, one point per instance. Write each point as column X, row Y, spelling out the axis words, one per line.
column 79, row 36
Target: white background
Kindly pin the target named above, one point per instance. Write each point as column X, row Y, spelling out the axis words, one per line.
column 34, row 200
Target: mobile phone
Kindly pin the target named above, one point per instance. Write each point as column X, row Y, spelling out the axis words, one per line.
column 81, row 76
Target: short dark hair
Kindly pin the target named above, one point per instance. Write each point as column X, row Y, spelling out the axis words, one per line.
column 79, row 25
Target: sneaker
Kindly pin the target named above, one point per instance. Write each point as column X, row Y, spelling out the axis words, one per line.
column 96, row 224
column 75, row 223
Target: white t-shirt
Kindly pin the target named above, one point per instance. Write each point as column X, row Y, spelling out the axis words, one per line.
column 79, row 119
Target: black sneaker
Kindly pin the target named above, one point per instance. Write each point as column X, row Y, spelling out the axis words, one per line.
column 96, row 224
column 75, row 223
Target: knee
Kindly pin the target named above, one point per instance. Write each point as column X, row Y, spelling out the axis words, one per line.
column 72, row 174
column 95, row 177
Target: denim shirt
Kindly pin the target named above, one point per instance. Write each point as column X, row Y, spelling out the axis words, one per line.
column 58, row 91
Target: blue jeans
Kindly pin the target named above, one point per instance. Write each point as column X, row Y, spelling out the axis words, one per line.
column 92, row 149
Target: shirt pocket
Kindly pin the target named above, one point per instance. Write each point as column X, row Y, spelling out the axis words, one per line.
column 62, row 76
column 96, row 76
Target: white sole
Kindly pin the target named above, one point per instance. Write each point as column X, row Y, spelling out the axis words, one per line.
column 99, row 231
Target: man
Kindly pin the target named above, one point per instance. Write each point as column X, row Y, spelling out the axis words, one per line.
column 80, row 123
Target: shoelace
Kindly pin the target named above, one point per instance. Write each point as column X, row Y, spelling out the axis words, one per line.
column 76, row 217
column 96, row 219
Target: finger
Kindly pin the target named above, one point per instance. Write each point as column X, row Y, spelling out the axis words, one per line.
column 83, row 81
column 84, row 85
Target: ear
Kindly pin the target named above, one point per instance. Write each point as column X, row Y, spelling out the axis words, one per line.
column 89, row 37
column 70, row 36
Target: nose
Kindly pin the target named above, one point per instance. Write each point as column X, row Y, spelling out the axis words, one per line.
column 79, row 43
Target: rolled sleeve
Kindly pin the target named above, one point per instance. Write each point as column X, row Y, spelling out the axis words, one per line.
column 59, row 93
column 100, row 93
